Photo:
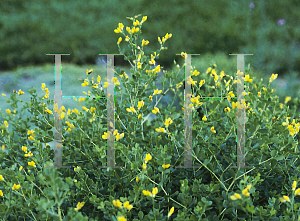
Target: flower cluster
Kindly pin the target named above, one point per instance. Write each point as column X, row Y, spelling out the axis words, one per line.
column 244, row 192
column 147, row 158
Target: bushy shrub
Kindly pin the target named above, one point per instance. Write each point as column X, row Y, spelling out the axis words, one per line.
column 150, row 186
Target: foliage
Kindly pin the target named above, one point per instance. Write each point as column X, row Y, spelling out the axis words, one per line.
column 149, row 186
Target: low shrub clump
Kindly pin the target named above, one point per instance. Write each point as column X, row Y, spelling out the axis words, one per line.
column 149, row 186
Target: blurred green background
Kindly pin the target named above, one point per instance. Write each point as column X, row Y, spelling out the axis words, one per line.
column 30, row 29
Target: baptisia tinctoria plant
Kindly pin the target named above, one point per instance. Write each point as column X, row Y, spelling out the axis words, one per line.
column 149, row 186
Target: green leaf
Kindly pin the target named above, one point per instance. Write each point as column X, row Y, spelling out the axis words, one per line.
column 275, row 140
column 141, row 215
column 273, row 153
column 263, row 131
column 279, row 158
column 250, row 208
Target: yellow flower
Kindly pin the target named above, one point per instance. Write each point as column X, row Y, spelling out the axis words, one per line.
column 166, row 166
column 171, row 212
column 245, row 192
column 21, row 167
column 119, row 40
column 30, row 132
column 1, row 177
column 93, row 109
column 235, row 196
column 160, row 130
column 213, row 73
column 144, row 42
column 146, row 193
column 212, row 129
column 131, row 109
column 84, row 108
column 155, row 111
column 227, row 82
column 227, row 109
column 118, row 137
column 202, row 82
column 239, row 73
column 287, row 99
column 8, row 111
column 89, row 71
column 86, row 83
column 48, row 111
column 259, row 94
column 63, row 108
column 79, row 206
column 154, row 191
column 3, row 146
column 137, row 179
column 273, row 77
column 168, row 122
column 204, row 118
column 157, row 92
column 3, row 95
column 43, row 86
column 150, row 97
column 140, row 116
column 144, row 166
column 284, row 199
column 190, row 81
column 184, row 54
column 144, row 18
column 31, row 138
column 222, row 74
column 159, row 40
column 29, row 154
column 76, row 169
column 121, row 218
column 62, row 116
column 98, row 79
column 1, row 193
column 136, row 23
column 208, row 70
column 117, row 203
column 46, row 96
column 127, row 205
column 234, row 105
column 167, row 36
column 16, row 187
column 24, row 149
column 241, row 105
column 128, row 30
column 134, row 29
column 140, row 104
column 297, row 192
column 294, row 183
column 247, row 78
column 148, row 157
column 75, row 111
column 105, row 136
column 121, row 26
column 157, row 69
column 231, row 94
column 118, row 30
column 32, row 164
column 20, row 92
